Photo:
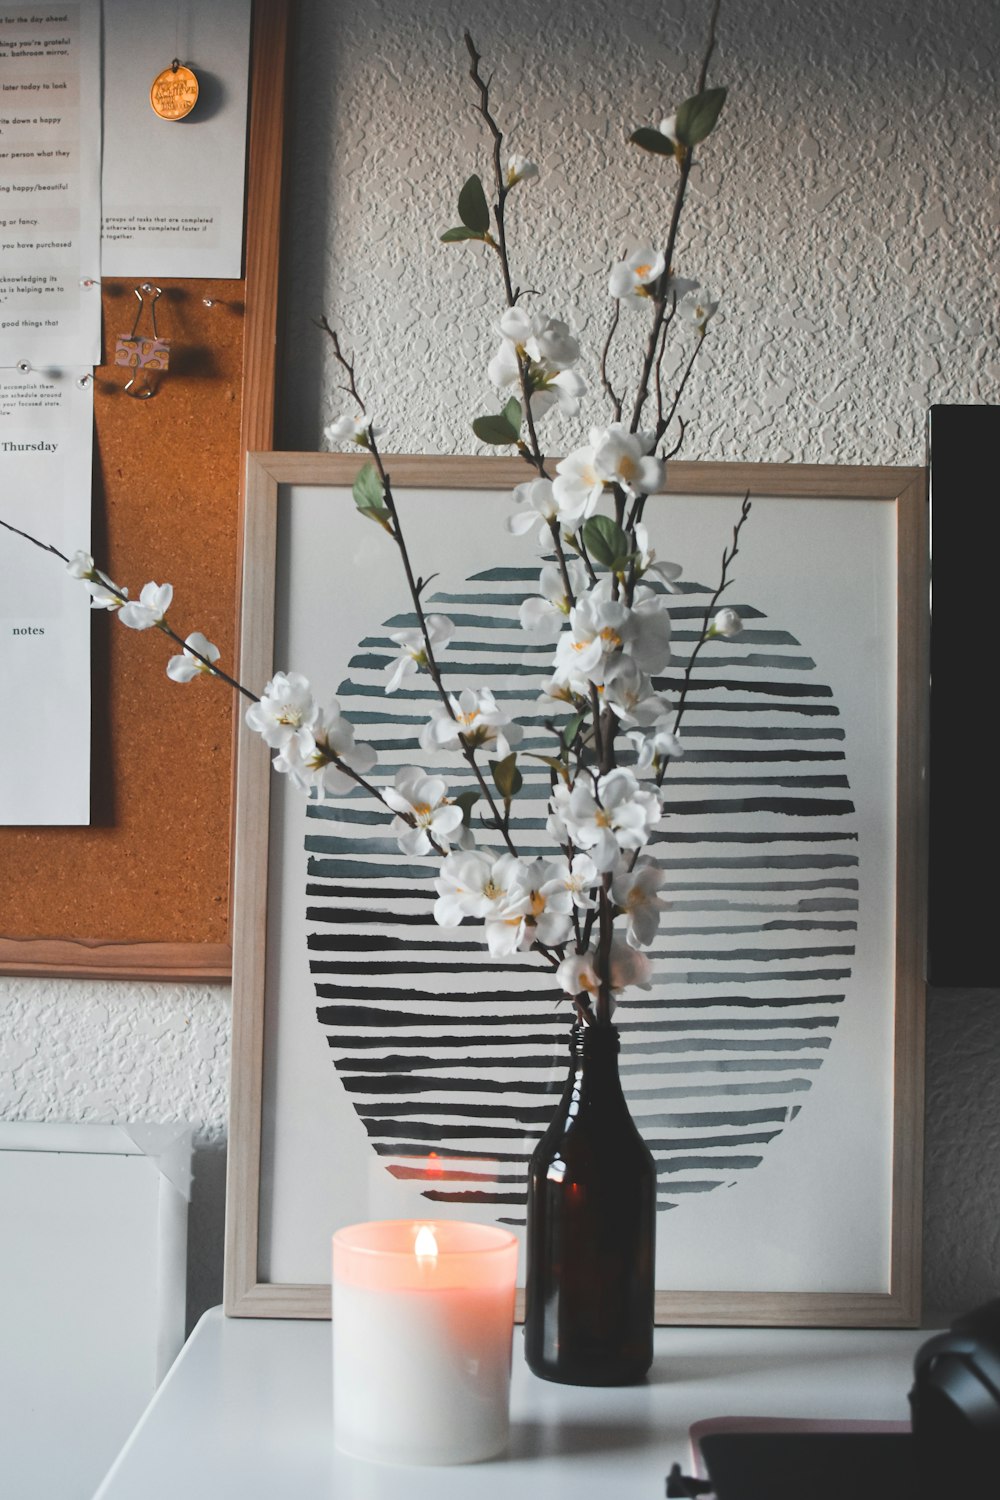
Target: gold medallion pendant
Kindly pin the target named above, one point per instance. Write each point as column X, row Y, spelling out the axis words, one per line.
column 174, row 92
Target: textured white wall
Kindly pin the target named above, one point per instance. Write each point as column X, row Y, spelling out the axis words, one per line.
column 846, row 211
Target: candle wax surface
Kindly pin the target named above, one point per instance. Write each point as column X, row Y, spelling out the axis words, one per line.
column 422, row 1343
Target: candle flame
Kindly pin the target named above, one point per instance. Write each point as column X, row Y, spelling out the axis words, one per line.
column 425, row 1245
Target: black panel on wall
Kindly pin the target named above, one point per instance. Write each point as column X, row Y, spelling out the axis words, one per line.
column 964, row 914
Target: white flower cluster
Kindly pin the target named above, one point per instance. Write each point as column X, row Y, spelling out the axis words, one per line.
column 315, row 749
column 612, row 634
column 550, row 352
column 595, row 904
column 634, row 279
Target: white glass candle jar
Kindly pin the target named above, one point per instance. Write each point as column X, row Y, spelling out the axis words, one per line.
column 423, row 1316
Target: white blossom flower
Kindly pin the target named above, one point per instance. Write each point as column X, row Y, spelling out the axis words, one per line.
column 106, row 598
column 425, row 811
column 536, row 502
column 577, row 486
column 577, row 975
column 314, row 757
column 619, row 814
column 631, row 278
column 622, row 457
column 559, row 694
column 547, row 614
column 551, row 899
column 519, row 169
column 540, row 339
column 563, row 389
column 668, row 127
column 578, row 878
column 628, row 690
column 475, row 721
column 351, row 429
column 462, row 884
column 628, row 967
column 597, row 628
column 81, row 565
column 413, row 657
column 550, row 350
column 103, row 593
column 150, row 607
column 476, row 884
column 658, row 744
column 186, row 667
column 536, row 907
column 679, row 287
column 637, row 893
column 666, row 572
column 726, row 623
column 285, row 707
column 696, row 310
column 647, row 637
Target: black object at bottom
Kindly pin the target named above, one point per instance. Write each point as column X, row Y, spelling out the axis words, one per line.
column 591, row 1227
column 955, row 1405
column 811, row 1465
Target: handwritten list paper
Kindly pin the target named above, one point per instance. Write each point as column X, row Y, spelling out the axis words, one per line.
column 50, row 139
column 45, row 466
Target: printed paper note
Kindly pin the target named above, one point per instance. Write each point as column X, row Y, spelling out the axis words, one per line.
column 173, row 189
column 45, row 468
column 50, row 134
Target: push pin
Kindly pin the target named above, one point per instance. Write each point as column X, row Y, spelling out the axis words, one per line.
column 24, row 366
column 143, row 352
column 84, row 382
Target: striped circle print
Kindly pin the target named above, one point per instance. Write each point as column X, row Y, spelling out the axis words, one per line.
column 452, row 1058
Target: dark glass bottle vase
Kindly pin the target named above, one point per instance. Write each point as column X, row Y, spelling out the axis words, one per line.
column 591, row 1229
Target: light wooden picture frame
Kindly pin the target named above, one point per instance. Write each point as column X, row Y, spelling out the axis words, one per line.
column 777, row 1063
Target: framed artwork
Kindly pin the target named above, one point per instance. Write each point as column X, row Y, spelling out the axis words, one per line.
column 385, row 1067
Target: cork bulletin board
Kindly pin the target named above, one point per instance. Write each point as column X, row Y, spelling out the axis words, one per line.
column 144, row 891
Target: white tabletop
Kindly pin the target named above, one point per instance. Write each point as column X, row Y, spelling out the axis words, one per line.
column 244, row 1414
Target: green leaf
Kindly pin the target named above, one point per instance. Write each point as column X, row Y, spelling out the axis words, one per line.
column 473, row 210
column 552, row 761
column 605, row 541
column 451, row 235
column 653, row 140
column 506, row 776
column 367, row 489
column 368, row 496
column 512, row 412
column 466, row 801
column 497, row 431
column 572, row 729
column 697, row 116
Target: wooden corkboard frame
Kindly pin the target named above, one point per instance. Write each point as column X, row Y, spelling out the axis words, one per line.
column 144, row 891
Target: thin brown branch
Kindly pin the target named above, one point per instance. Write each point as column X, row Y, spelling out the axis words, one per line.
column 728, row 557
column 664, row 422
column 616, row 400
column 660, row 291
column 162, row 625
column 346, row 364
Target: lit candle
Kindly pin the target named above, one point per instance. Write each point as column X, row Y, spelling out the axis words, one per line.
column 423, row 1317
